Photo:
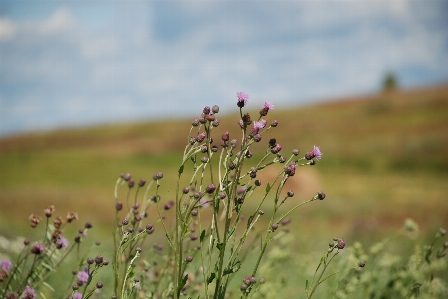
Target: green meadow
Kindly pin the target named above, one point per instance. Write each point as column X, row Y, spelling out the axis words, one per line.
column 385, row 159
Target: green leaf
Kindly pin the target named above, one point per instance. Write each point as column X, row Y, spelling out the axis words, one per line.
column 48, row 286
column 232, row 231
column 181, row 169
column 268, row 188
column 220, row 246
column 169, row 241
column 235, row 268
column 183, row 282
column 201, row 239
column 307, row 287
column 210, row 279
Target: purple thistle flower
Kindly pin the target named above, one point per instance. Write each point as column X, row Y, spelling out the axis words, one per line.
column 83, row 276
column 5, row 265
column 268, row 105
column 38, row 248
column 28, row 293
column 315, row 153
column 260, row 124
column 242, row 98
column 77, row 295
column 61, row 242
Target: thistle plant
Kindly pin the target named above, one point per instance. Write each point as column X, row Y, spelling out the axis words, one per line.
column 41, row 258
column 209, row 240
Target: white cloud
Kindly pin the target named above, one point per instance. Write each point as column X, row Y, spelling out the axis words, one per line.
column 127, row 65
column 60, row 22
column 7, row 29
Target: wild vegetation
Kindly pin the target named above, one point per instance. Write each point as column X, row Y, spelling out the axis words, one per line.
column 385, row 163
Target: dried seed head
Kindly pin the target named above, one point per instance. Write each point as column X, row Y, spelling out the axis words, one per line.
column 34, row 220
column 72, row 216
column 49, row 210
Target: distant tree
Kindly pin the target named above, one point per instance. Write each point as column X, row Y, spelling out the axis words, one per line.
column 390, row 82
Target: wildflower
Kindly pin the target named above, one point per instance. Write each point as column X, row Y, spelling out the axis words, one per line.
column 290, row 170
column 28, row 293
column 276, row 149
column 315, row 153
column 5, row 264
column 361, row 264
column 260, row 124
column 295, row 151
column 246, row 120
column 206, row 110
column 34, row 219
column 267, row 106
column 185, row 190
column 58, row 222
column 126, row 176
column 158, row 176
column 61, row 242
column 274, row 123
column 195, row 122
column 99, row 259
column 83, row 276
column 142, row 183
column 189, row 259
column 38, row 248
column 49, row 211
column 290, row 193
column 201, row 137
column 77, row 295
column 242, row 98
column 225, row 136
column 210, row 188
column 215, row 109
column 131, row 183
column 320, row 195
column 72, row 216
column 99, row 285
column 340, row 244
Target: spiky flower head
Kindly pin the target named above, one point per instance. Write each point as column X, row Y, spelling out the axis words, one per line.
column 267, row 106
column 28, row 293
column 242, row 98
column 315, row 153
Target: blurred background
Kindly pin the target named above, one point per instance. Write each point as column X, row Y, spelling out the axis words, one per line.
column 91, row 89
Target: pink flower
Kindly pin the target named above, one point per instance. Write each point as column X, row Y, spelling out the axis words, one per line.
column 242, row 98
column 28, row 293
column 268, row 105
column 77, row 295
column 83, row 276
column 5, row 265
column 260, row 124
column 315, row 153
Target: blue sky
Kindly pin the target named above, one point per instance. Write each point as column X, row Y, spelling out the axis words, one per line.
column 65, row 63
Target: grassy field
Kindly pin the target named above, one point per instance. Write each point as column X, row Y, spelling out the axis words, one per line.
column 384, row 160
column 384, row 157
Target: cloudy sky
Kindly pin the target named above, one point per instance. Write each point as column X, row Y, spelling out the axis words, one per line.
column 66, row 63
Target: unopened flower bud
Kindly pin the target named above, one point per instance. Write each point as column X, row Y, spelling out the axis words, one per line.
column 206, row 110
column 142, row 183
column 361, row 264
column 274, row 123
column 341, row 243
column 215, row 109
column 320, row 195
column 210, row 188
